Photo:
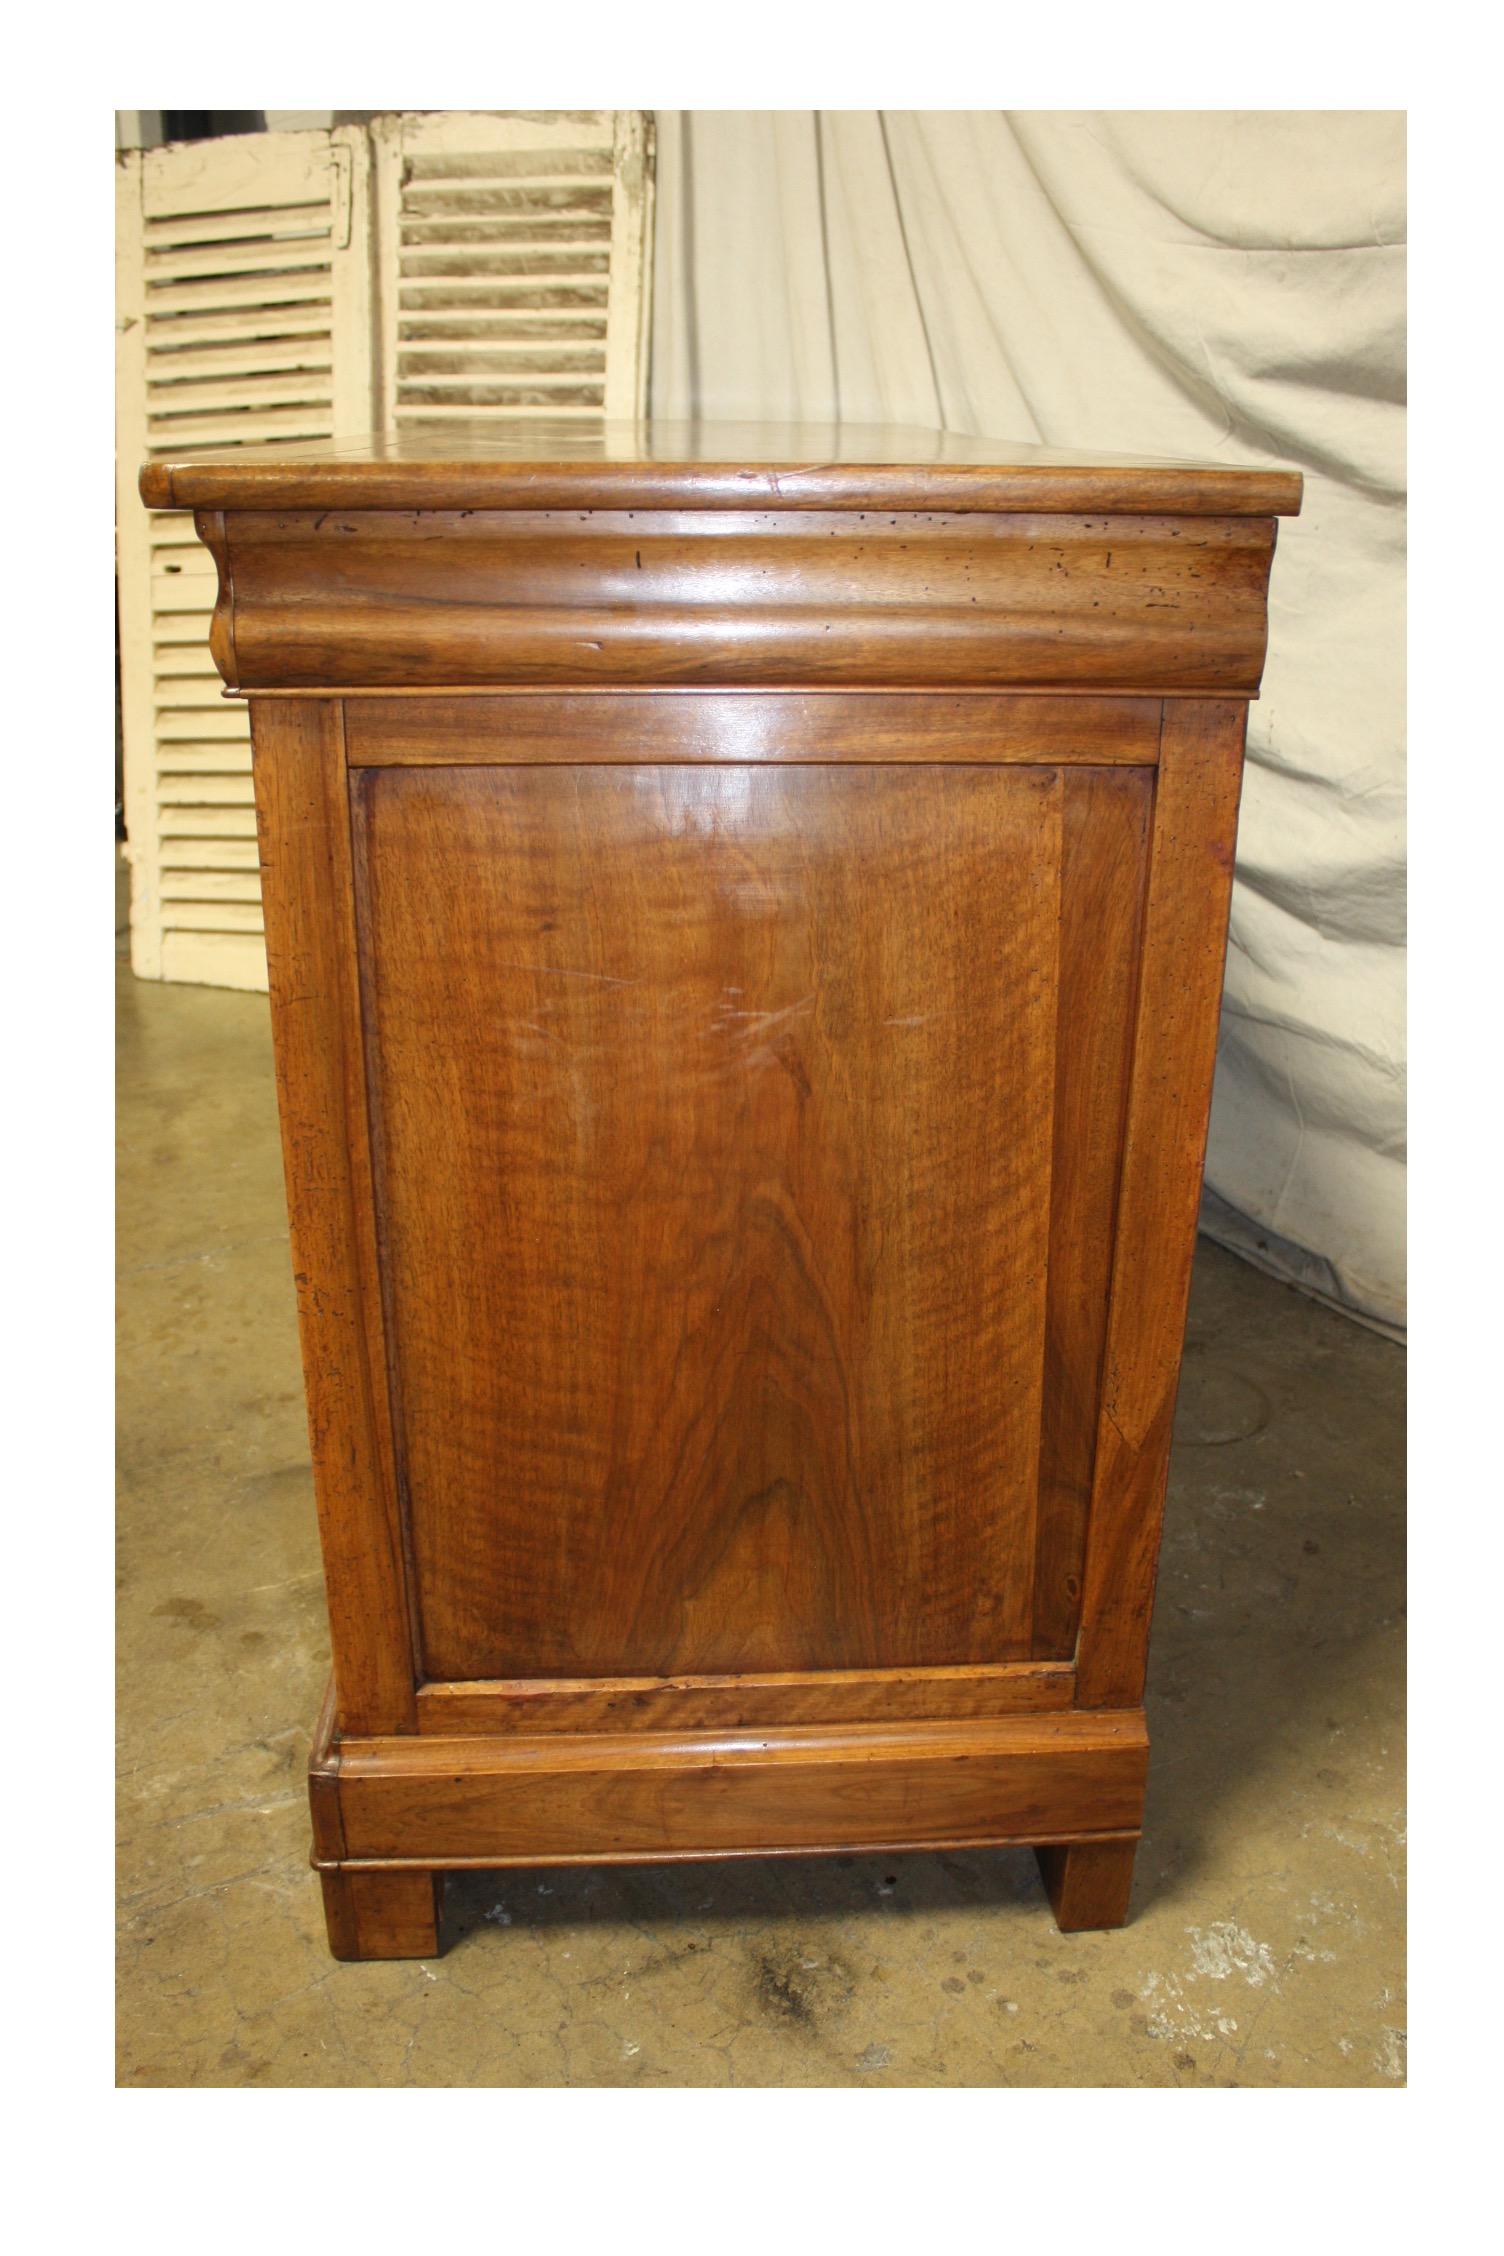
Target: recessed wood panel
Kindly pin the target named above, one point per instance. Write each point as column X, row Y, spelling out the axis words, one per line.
column 713, row 1112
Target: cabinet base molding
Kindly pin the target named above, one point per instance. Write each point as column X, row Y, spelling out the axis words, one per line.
column 391, row 1814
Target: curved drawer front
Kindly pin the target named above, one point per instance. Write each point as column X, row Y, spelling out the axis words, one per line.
column 612, row 598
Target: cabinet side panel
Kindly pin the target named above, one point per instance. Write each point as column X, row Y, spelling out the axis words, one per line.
column 1104, row 862
column 716, row 1116
column 1175, row 1045
column 302, row 818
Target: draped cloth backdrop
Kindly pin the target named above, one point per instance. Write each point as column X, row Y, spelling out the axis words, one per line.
column 1223, row 285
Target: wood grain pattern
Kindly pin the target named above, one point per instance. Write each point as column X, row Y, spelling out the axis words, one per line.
column 749, row 727
column 554, row 465
column 715, row 1208
column 1175, row 1047
column 745, row 1702
column 303, row 823
column 323, row 598
column 644, row 1794
column 1105, row 834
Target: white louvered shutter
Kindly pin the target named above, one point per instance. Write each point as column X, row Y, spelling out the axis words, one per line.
column 245, row 313
column 513, row 265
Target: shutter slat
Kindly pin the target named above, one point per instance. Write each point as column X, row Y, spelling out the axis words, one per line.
column 431, row 412
column 177, row 692
column 209, row 854
column 463, row 323
column 432, row 168
column 177, row 631
column 234, row 290
column 530, row 198
column 278, row 223
column 165, row 401
column 443, row 361
column 536, row 227
column 205, row 791
column 171, row 529
column 201, row 759
column 211, row 885
column 187, row 824
column 200, row 728
column 452, row 380
column 455, row 392
column 211, row 916
column 184, row 592
column 230, row 429
column 249, row 325
column 256, row 358
column 501, row 289
column 233, row 259
column 568, row 263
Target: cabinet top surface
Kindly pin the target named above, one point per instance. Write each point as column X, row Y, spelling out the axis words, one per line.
column 565, row 465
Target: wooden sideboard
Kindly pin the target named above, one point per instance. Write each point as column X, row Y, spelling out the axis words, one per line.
column 745, row 913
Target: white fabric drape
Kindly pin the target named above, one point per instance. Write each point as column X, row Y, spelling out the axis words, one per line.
column 1224, row 285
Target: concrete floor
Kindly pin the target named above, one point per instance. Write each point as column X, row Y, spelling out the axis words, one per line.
column 1266, row 1941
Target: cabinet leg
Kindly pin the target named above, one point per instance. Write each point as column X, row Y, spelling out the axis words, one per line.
column 1088, row 1884
column 383, row 1914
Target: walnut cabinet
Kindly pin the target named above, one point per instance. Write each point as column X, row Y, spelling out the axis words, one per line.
column 745, row 913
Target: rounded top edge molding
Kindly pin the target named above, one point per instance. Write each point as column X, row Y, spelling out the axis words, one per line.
column 543, row 465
